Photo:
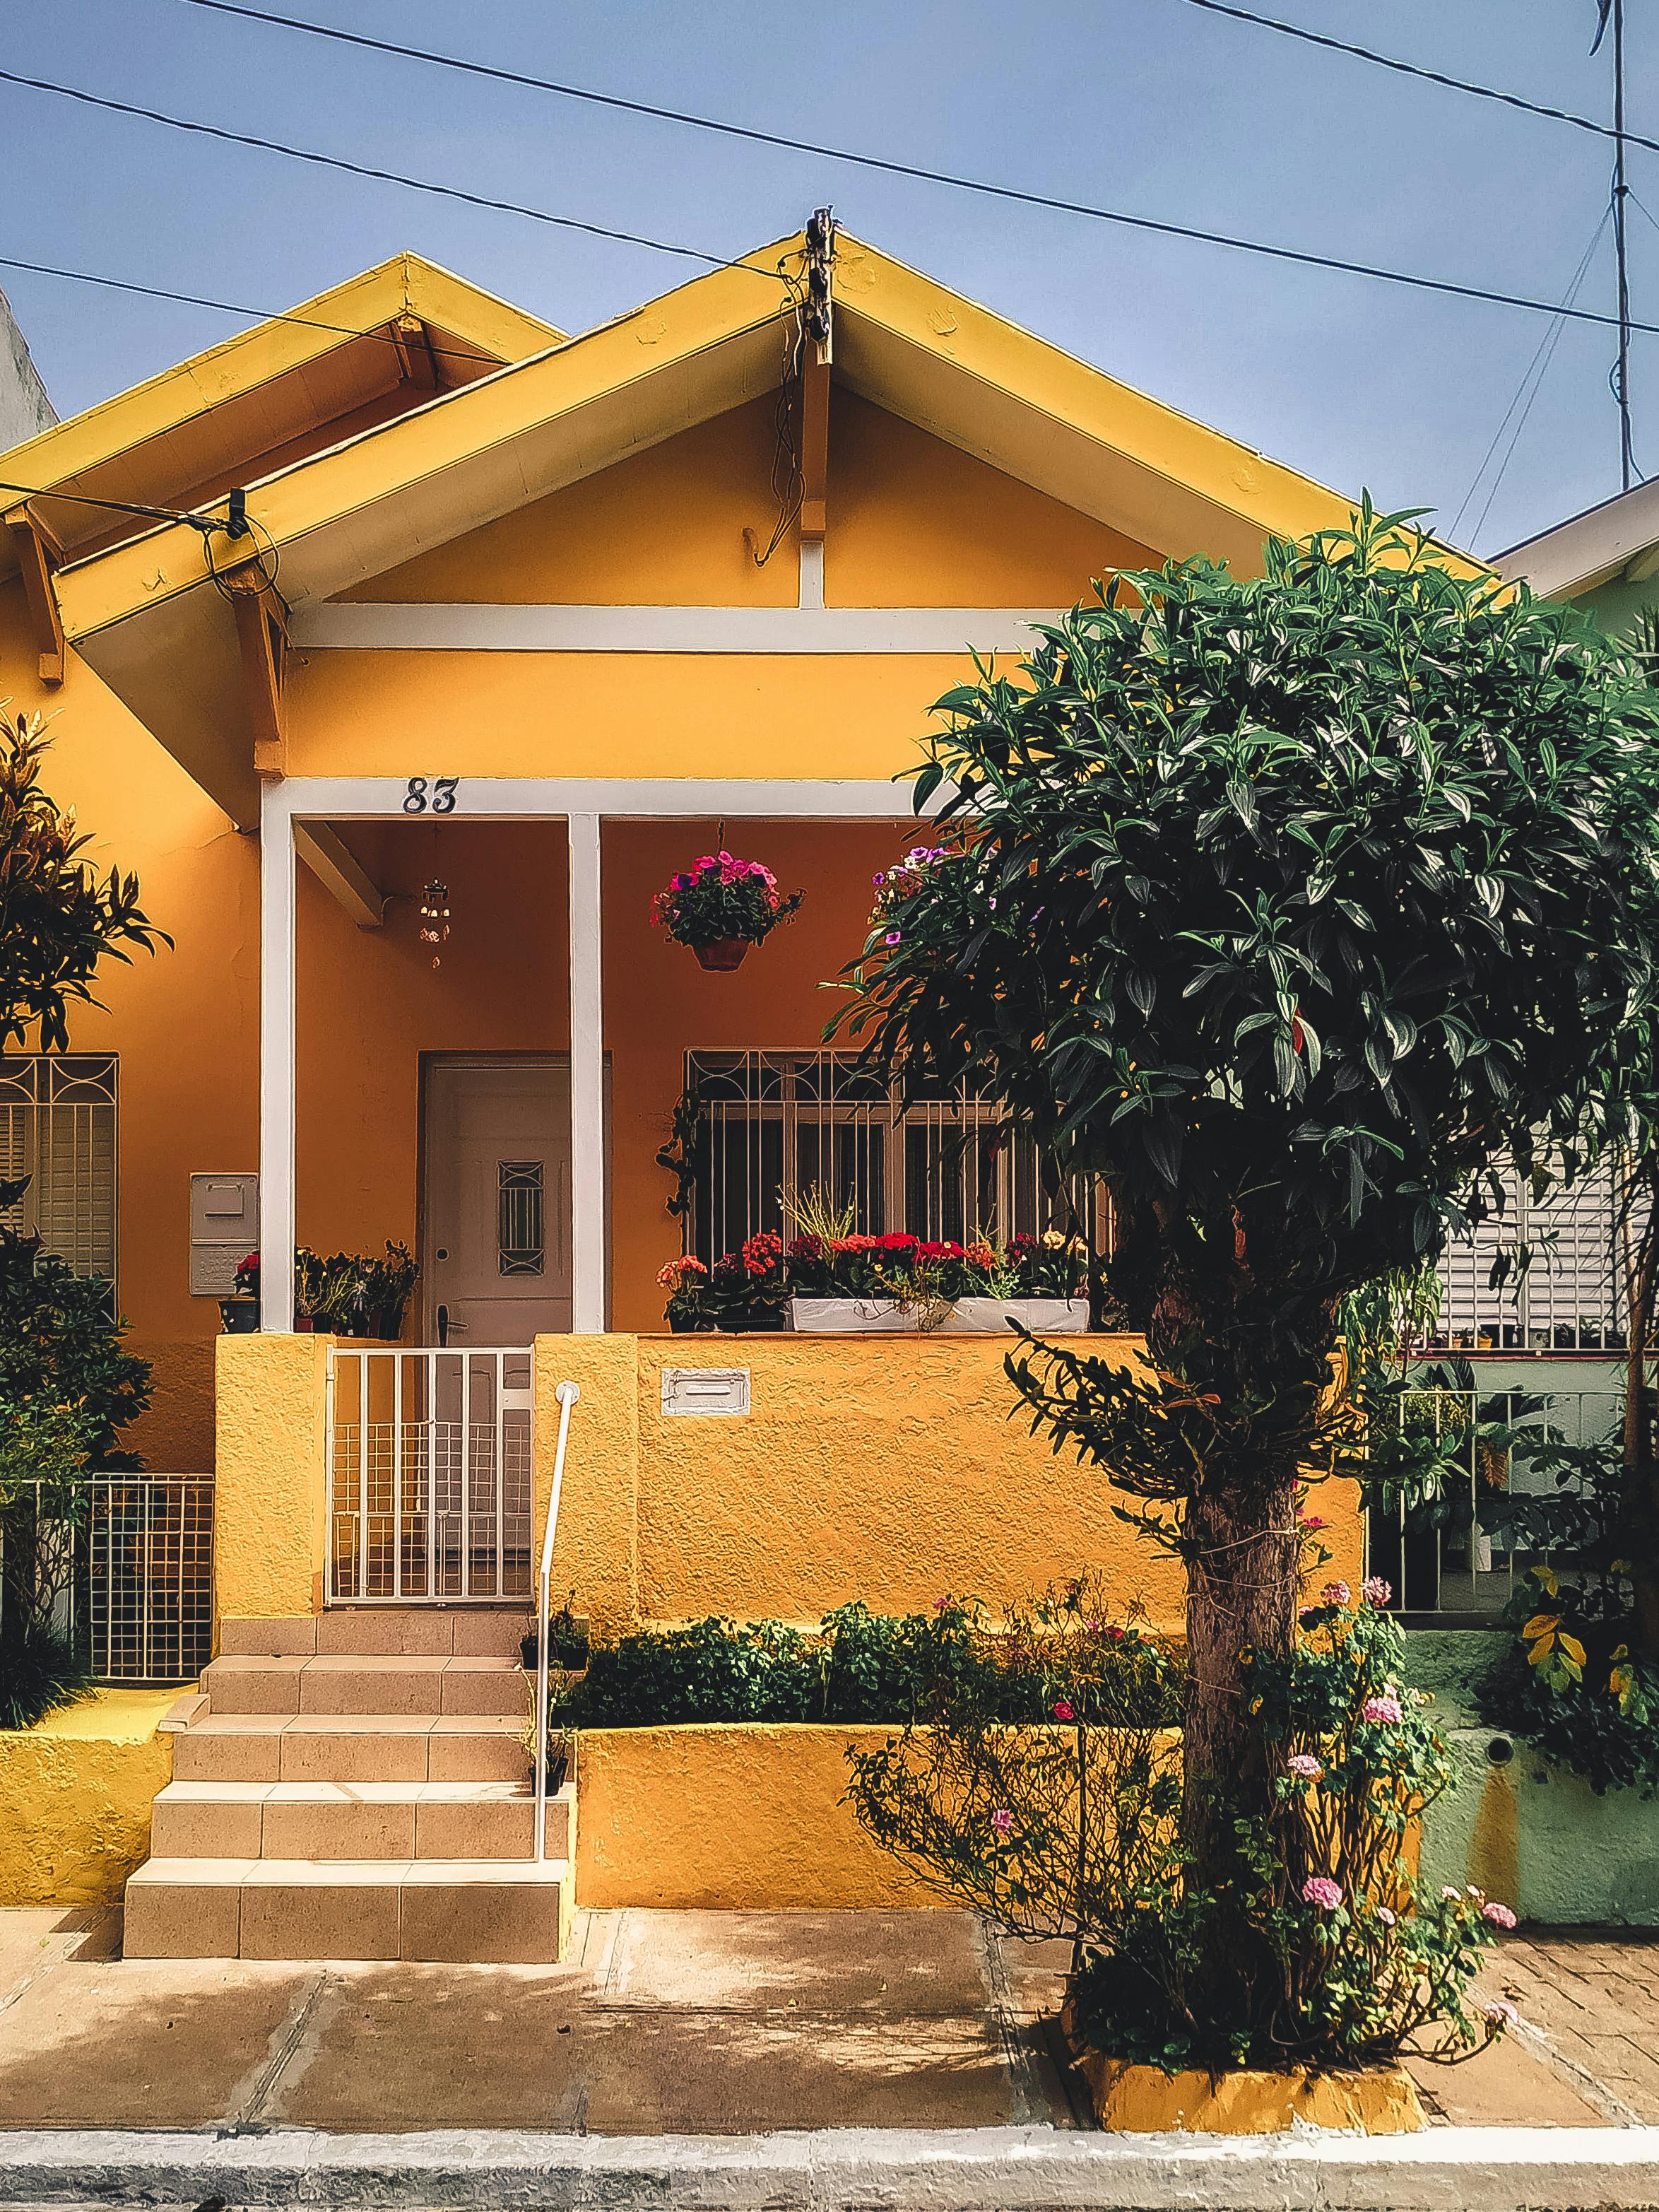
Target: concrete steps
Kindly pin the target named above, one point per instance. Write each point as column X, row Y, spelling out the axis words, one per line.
column 356, row 1786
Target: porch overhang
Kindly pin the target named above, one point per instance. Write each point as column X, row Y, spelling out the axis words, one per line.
column 142, row 612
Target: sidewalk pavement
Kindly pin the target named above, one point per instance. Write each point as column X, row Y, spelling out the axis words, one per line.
column 703, row 2024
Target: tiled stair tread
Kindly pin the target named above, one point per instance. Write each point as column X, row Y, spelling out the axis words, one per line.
column 357, row 1723
column 358, row 1662
column 367, row 1793
column 336, row 1873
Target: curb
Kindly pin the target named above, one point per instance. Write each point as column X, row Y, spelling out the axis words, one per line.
column 843, row 2170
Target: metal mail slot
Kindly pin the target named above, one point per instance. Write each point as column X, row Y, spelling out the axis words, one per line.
column 705, row 1389
column 224, row 1225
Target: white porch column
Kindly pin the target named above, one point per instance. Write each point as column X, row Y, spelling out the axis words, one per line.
column 587, row 1162
column 277, row 860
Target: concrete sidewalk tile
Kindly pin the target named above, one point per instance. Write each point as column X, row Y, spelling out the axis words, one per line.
column 913, row 1962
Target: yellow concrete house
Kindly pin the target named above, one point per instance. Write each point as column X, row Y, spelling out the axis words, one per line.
column 451, row 639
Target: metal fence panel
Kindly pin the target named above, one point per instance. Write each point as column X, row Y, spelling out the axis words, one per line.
column 134, row 1585
column 429, row 1476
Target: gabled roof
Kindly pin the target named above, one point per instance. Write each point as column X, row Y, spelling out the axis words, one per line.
column 1620, row 535
column 366, row 350
column 147, row 616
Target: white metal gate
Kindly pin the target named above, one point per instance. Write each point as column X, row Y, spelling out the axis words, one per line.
column 429, row 1476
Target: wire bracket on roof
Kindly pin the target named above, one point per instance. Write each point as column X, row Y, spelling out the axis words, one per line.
column 820, row 261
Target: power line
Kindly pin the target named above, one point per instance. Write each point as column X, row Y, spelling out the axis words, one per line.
column 363, row 169
column 226, row 306
column 1389, row 62
column 1519, row 408
column 206, row 523
column 1302, row 258
column 774, row 138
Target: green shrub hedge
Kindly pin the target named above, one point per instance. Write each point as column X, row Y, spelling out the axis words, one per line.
column 860, row 1666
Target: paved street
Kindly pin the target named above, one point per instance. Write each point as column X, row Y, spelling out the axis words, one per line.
column 693, row 2022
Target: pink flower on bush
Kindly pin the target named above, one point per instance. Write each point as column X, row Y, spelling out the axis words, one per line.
column 1002, row 1821
column 1500, row 2013
column 1064, row 1710
column 1335, row 1594
column 1319, row 1889
column 1376, row 1591
column 1303, row 1763
column 1312, row 1520
column 1385, row 1916
column 1452, row 1896
column 1500, row 1915
column 1386, row 1709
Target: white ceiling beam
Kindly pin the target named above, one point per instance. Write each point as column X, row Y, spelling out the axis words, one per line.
column 337, row 869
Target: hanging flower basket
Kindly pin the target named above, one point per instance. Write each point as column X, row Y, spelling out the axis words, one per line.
column 724, row 955
column 720, row 906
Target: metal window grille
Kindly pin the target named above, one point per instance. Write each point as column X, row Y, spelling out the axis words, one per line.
column 430, row 1480
column 775, row 1125
column 519, row 1236
column 1573, row 1294
column 1455, row 1557
column 131, row 1574
column 57, row 1128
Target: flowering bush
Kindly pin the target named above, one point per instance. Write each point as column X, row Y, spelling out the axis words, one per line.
column 899, row 1268
column 1321, row 1953
column 719, row 898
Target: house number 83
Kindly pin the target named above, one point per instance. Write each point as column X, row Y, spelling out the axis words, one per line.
column 434, row 794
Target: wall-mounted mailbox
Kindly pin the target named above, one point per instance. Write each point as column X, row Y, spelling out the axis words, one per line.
column 224, row 1225
column 705, row 1389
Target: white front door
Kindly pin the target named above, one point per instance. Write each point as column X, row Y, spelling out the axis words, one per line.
column 496, row 1220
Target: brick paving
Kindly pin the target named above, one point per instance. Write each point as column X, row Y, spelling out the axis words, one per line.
column 1589, row 2001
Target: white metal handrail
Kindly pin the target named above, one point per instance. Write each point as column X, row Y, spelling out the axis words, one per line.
column 567, row 1393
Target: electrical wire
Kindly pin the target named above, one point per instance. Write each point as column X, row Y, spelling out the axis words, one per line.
column 1382, row 61
column 1444, row 286
column 801, row 145
column 204, row 523
column 229, row 306
column 378, row 176
column 1538, row 367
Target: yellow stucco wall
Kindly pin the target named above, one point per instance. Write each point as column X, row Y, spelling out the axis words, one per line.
column 745, row 1819
column 888, row 1469
column 76, row 1793
column 271, row 1500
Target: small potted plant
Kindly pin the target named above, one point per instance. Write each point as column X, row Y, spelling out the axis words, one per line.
column 689, row 1311
column 721, row 906
column 238, row 1314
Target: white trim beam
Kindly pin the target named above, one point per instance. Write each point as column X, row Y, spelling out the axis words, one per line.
column 277, row 1064
column 360, row 626
column 587, row 1160
column 541, row 798
column 338, row 870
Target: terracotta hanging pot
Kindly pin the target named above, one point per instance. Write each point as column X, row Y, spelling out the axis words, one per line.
column 726, row 953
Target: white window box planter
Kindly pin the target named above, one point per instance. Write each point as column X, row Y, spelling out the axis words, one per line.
column 968, row 1317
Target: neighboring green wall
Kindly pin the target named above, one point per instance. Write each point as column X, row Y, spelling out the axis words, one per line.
column 1525, row 1832
column 1617, row 606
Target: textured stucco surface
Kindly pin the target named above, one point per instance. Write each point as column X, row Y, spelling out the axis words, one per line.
column 737, row 1819
column 76, row 1795
column 1540, row 1838
column 270, row 1508
column 890, row 1470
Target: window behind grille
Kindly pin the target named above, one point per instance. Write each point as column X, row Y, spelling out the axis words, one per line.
column 57, row 1128
column 776, row 1125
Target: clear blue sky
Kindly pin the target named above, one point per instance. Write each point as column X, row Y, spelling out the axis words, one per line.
column 1152, row 105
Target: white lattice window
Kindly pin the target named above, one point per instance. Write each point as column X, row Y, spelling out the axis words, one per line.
column 773, row 1125
column 57, row 1128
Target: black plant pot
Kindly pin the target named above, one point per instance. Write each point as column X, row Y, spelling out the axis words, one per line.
column 239, row 1316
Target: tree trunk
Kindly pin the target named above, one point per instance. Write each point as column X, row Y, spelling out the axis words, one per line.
column 1241, row 1596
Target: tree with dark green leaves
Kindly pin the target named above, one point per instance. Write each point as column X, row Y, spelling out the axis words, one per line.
column 67, row 1386
column 58, row 918
column 1291, row 907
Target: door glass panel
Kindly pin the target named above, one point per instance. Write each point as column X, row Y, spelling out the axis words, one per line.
column 520, row 1235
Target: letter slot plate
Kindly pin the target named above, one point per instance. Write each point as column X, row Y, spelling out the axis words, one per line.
column 705, row 1389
